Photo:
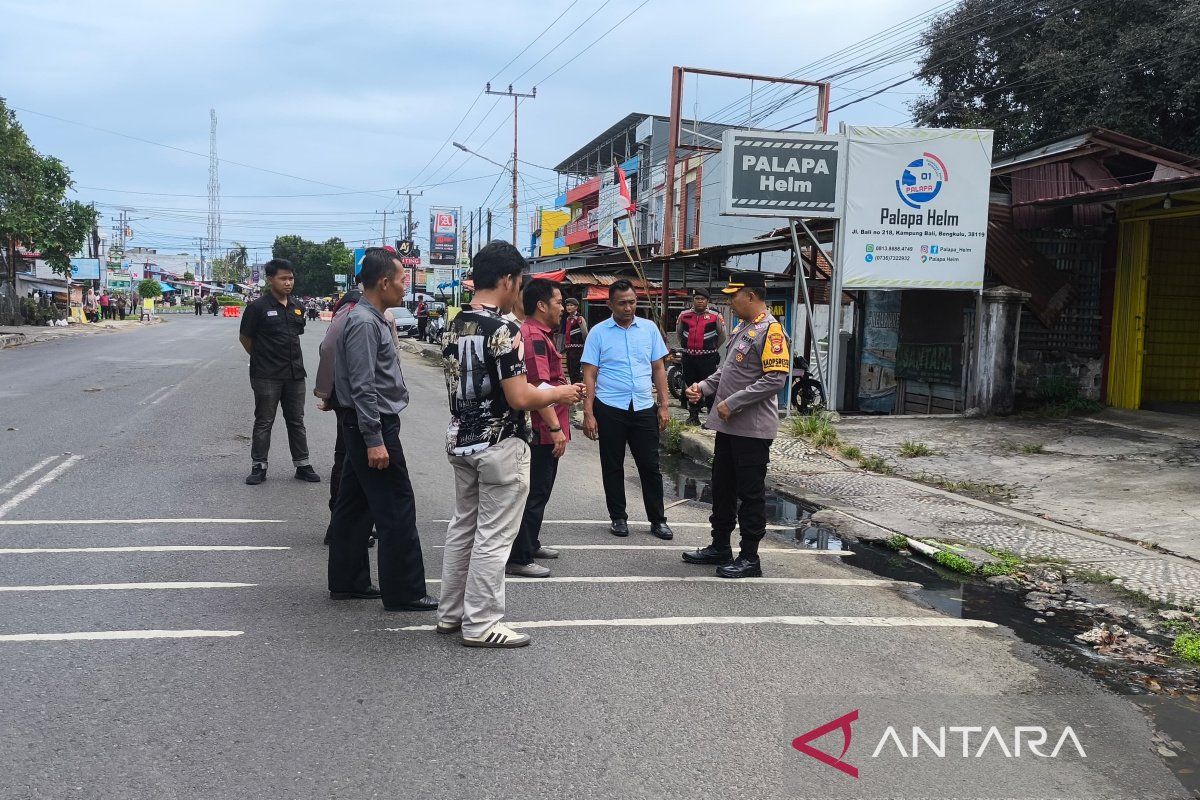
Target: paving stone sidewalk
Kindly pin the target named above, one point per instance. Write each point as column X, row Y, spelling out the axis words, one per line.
column 917, row 510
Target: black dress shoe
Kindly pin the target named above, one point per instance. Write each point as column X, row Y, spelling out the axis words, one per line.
column 742, row 567
column 662, row 530
column 619, row 527
column 307, row 473
column 426, row 603
column 708, row 555
column 257, row 475
column 369, row 593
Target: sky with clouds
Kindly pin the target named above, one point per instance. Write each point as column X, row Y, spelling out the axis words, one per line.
column 325, row 110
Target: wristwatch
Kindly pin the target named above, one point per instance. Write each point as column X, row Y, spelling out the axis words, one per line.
column 555, row 430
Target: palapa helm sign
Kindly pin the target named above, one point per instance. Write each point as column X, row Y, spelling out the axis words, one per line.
column 916, row 208
column 781, row 174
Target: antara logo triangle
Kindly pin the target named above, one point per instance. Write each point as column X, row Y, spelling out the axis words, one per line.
column 842, row 723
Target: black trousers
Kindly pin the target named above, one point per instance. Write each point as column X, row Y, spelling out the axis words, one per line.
column 383, row 497
column 269, row 395
column 197, row 306
column 339, row 458
column 696, row 369
column 739, row 475
column 619, row 427
column 575, row 364
column 543, row 469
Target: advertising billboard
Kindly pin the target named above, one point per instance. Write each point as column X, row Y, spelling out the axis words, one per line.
column 781, row 174
column 443, row 236
column 916, row 208
column 85, row 269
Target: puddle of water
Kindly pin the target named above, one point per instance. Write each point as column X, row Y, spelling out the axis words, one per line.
column 1175, row 715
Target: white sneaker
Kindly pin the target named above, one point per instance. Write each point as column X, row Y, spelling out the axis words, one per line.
column 498, row 636
column 527, row 570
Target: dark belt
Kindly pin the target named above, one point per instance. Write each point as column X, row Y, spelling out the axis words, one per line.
column 701, row 352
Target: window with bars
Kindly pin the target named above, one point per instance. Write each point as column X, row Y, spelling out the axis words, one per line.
column 1078, row 327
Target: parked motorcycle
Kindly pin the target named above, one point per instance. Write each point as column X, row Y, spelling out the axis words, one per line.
column 675, row 382
column 805, row 388
column 434, row 328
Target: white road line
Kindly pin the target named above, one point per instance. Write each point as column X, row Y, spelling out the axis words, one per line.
column 652, row 622
column 159, row 521
column 37, row 485
column 6, row 487
column 632, row 522
column 169, row 392
column 707, row 579
column 71, row 587
column 81, row 636
column 154, row 548
column 680, row 548
column 146, row 400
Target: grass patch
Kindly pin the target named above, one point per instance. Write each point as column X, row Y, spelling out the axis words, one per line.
column 954, row 562
column 1187, row 647
column 817, row 429
column 1032, row 449
column 876, row 464
column 983, row 491
column 1058, row 398
column 1178, row 626
column 1008, row 564
column 672, row 437
column 851, row 452
column 896, row 542
column 915, row 450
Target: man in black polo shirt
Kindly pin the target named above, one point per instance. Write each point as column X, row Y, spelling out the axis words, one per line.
column 270, row 332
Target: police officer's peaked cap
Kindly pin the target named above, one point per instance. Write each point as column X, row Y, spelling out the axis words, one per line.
column 740, row 280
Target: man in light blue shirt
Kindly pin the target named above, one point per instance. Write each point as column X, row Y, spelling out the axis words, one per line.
column 622, row 362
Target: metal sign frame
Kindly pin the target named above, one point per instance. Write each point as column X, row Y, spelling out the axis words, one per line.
column 783, row 209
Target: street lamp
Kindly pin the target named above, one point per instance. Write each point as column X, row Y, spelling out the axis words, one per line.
column 466, row 149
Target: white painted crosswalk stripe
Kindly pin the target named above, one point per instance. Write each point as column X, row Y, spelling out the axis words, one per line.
column 640, row 523
column 81, row 636
column 816, row 621
column 153, row 521
column 80, row 587
column 679, row 548
column 706, row 579
column 152, row 548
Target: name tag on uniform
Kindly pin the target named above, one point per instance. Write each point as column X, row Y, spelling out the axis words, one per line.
column 272, row 313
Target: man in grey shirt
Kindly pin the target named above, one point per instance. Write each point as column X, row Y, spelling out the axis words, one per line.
column 375, row 487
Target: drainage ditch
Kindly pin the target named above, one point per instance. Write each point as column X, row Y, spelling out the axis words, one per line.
column 1168, row 693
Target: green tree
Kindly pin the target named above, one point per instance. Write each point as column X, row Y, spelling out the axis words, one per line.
column 149, row 287
column 315, row 263
column 188, row 276
column 1059, row 66
column 33, row 208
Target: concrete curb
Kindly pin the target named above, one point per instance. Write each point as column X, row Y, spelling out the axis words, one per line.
column 698, row 445
column 11, row 340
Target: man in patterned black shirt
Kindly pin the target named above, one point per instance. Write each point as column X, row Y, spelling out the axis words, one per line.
column 486, row 441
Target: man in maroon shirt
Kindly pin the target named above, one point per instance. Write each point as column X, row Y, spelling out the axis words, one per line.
column 543, row 306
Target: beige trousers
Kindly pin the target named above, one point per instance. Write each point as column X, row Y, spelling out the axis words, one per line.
column 490, row 488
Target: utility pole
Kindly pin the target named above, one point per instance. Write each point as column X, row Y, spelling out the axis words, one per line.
column 214, row 191
column 408, row 234
column 408, row 231
column 489, row 225
column 516, row 96
column 383, row 241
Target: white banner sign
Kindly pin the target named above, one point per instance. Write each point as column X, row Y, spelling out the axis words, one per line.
column 916, row 208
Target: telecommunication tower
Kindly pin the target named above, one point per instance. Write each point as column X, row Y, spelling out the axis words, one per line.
column 214, row 194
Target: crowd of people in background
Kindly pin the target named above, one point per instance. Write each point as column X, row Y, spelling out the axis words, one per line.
column 503, row 360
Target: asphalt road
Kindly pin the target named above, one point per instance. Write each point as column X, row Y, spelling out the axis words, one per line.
column 314, row 698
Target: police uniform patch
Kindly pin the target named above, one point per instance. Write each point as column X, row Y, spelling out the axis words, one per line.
column 739, row 357
column 751, row 334
column 776, row 342
column 539, row 347
column 297, row 311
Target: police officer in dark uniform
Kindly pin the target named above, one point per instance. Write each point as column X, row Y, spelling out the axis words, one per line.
column 701, row 333
column 575, row 331
column 757, row 365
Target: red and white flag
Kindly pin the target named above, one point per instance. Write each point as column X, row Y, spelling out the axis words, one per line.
column 627, row 203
